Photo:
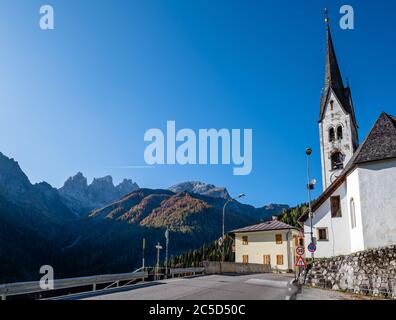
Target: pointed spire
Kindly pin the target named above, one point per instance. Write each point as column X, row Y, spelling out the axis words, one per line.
column 333, row 78
column 333, row 75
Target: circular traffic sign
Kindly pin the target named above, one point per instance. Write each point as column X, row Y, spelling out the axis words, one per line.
column 300, row 251
column 312, row 247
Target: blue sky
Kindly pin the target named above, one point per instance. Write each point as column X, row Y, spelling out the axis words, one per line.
column 80, row 97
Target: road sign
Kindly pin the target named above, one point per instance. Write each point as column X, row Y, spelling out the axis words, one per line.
column 300, row 262
column 300, row 251
column 312, row 247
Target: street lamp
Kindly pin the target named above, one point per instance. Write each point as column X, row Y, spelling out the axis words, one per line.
column 310, row 186
column 223, row 233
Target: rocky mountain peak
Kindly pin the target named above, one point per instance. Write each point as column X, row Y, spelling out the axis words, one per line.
column 76, row 182
column 12, row 179
column 126, row 186
column 82, row 198
column 104, row 181
column 201, row 188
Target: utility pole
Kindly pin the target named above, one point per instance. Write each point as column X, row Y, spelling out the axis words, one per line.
column 158, row 247
column 223, row 232
column 166, row 254
column 143, row 248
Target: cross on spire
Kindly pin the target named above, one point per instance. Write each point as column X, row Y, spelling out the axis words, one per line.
column 326, row 13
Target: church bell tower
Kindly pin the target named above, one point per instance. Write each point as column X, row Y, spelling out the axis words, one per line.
column 337, row 123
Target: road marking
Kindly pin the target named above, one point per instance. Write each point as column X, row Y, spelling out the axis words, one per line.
column 268, row 283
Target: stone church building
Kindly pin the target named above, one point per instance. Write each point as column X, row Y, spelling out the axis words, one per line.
column 357, row 209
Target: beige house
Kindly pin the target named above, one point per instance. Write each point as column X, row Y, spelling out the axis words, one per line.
column 271, row 242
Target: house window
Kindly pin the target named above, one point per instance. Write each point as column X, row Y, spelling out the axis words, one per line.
column 279, row 259
column 335, row 204
column 322, row 234
column 267, row 259
column 339, row 133
column 278, row 239
column 245, row 258
column 331, row 135
column 337, row 161
column 245, row 240
column 353, row 214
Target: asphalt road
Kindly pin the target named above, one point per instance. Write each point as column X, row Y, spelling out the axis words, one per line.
column 210, row 287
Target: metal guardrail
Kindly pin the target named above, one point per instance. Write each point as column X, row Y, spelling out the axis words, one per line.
column 34, row 286
column 179, row 271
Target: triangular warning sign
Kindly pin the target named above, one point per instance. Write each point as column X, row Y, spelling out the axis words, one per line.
column 300, row 262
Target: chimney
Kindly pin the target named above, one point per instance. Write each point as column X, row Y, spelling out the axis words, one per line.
column 274, row 218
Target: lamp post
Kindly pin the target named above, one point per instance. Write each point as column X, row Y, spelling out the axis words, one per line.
column 310, row 187
column 223, row 232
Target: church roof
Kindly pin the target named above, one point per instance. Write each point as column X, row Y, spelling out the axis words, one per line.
column 380, row 144
column 265, row 226
column 334, row 82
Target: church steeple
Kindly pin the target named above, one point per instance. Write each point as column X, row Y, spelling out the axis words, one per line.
column 337, row 123
column 333, row 78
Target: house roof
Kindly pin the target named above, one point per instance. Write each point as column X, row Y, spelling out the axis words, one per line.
column 265, row 226
column 380, row 144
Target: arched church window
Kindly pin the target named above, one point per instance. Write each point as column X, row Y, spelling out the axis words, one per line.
column 331, row 135
column 337, row 161
column 353, row 214
column 339, row 133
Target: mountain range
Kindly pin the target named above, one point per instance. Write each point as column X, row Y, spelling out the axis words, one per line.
column 82, row 198
column 84, row 229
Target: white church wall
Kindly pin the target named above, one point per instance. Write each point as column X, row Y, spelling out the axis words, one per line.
column 353, row 192
column 378, row 203
column 338, row 229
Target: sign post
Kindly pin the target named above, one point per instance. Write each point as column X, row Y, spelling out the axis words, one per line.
column 158, row 247
column 300, row 253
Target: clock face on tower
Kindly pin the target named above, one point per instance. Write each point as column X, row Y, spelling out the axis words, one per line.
column 333, row 177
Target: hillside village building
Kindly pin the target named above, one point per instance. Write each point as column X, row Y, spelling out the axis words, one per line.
column 271, row 242
column 357, row 210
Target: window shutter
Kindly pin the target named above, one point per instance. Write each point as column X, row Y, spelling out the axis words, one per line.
column 335, row 204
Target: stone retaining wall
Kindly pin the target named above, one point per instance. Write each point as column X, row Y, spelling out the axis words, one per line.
column 371, row 272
